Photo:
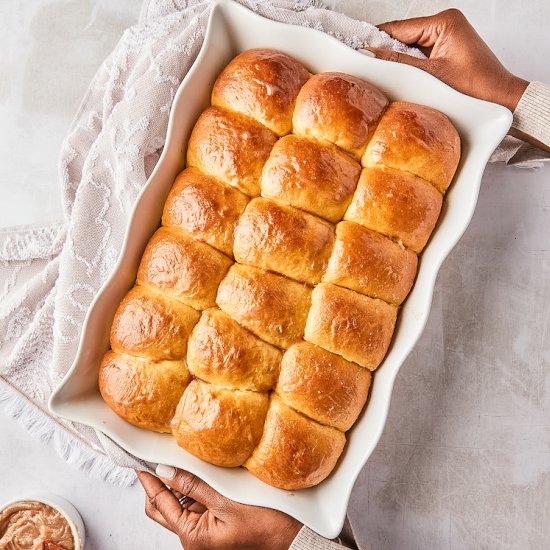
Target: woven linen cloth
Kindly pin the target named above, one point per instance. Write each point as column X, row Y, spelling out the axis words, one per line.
column 49, row 275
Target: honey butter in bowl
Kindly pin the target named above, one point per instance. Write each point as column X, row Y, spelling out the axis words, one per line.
column 40, row 522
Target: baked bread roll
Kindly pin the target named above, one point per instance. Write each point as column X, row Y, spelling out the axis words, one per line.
column 206, row 208
column 283, row 239
column 294, row 452
column 262, row 84
column 145, row 393
column 315, row 177
column 279, row 269
column 339, row 108
column 219, row 425
column 223, row 352
column 181, row 267
column 150, row 324
column 322, row 385
column 396, row 204
column 370, row 263
column 230, row 147
column 354, row 326
column 271, row 306
column 416, row 139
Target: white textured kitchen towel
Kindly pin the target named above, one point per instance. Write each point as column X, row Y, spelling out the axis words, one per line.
column 49, row 275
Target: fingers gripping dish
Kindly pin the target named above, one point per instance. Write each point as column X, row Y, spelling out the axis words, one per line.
column 270, row 292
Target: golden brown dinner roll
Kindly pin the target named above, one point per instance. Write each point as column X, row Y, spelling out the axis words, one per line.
column 416, row 139
column 271, row 306
column 322, row 385
column 313, row 176
column 230, row 147
column 222, row 352
column 354, row 326
column 284, row 239
column 150, row 324
column 205, row 207
column 262, row 84
column 339, row 108
column 396, row 204
column 143, row 392
column 294, row 451
column 182, row 267
column 370, row 263
column 219, row 425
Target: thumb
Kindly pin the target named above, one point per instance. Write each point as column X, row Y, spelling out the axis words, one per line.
column 423, row 31
column 190, row 485
column 398, row 57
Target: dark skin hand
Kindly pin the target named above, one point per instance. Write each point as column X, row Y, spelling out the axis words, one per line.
column 459, row 57
column 209, row 521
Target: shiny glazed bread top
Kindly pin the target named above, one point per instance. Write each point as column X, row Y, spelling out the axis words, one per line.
column 270, row 292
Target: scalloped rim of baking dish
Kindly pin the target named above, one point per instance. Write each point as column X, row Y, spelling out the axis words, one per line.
column 231, row 29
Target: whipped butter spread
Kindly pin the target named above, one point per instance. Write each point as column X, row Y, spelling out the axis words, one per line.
column 31, row 525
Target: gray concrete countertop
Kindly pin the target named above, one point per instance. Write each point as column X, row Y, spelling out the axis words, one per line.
column 464, row 461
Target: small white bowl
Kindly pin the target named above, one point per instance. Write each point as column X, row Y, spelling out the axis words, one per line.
column 64, row 507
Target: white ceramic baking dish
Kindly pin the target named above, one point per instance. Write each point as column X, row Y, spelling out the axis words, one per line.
column 232, row 29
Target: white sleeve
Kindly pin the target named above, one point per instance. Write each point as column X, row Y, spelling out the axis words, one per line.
column 307, row 539
column 532, row 117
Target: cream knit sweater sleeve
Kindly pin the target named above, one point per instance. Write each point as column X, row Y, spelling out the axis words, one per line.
column 307, row 539
column 532, row 115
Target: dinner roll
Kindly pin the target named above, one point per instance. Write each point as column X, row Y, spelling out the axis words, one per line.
column 262, row 84
column 354, row 326
column 339, row 108
column 271, row 306
column 230, row 147
column 143, row 392
column 416, row 139
column 367, row 262
column 396, row 204
column 316, row 177
column 150, row 324
column 322, row 385
column 283, row 239
column 219, row 425
column 205, row 207
column 222, row 352
column 294, row 452
column 182, row 267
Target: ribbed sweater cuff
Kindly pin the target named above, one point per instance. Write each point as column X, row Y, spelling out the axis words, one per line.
column 307, row 539
column 532, row 115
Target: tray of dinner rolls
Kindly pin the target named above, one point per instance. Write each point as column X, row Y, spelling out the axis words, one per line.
column 279, row 264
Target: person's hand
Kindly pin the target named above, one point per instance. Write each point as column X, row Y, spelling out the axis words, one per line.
column 209, row 521
column 456, row 55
